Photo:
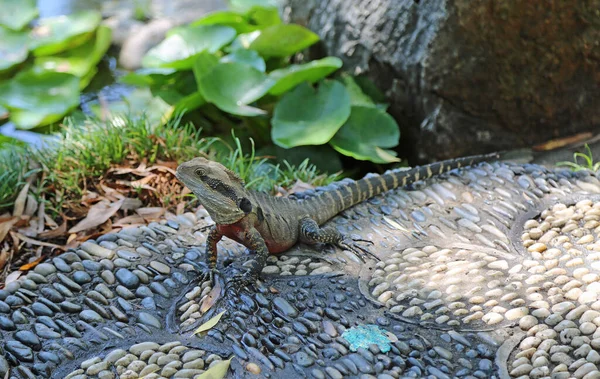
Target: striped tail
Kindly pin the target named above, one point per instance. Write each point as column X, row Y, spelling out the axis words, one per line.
column 330, row 203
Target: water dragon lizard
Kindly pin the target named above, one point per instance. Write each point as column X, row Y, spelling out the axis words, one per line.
column 267, row 224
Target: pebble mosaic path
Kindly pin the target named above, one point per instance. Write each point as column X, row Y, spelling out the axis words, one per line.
column 486, row 272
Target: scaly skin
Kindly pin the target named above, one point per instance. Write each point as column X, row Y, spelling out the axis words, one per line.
column 267, row 224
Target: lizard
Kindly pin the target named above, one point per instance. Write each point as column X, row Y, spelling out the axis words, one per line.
column 267, row 224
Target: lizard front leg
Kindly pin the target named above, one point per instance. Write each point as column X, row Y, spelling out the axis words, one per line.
column 311, row 232
column 255, row 242
column 210, row 272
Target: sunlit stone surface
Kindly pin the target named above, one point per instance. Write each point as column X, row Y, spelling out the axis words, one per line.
column 486, row 272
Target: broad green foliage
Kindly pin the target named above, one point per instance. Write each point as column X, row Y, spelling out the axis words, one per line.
column 139, row 104
column 232, row 86
column 240, row 61
column 39, row 98
column 282, row 40
column 56, row 34
column 180, row 48
column 289, row 77
column 43, row 69
column 13, row 48
column 247, row 57
column 81, row 60
column 306, row 116
column 16, row 14
column 366, row 134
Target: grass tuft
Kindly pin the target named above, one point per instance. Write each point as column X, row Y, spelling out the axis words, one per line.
column 587, row 161
column 77, row 161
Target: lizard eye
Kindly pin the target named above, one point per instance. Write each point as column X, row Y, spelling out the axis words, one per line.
column 200, row 172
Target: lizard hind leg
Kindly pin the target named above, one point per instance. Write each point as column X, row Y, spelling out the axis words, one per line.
column 311, row 233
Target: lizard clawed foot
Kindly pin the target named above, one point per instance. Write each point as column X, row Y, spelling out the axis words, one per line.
column 205, row 272
column 361, row 252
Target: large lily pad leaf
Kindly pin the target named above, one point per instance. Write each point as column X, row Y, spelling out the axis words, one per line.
column 140, row 103
column 80, row 61
column 359, row 97
column 13, row 48
column 181, row 92
column 15, row 14
column 366, row 135
column 307, row 116
column 243, row 41
column 39, row 98
column 263, row 16
column 248, row 57
column 289, row 77
column 204, row 64
column 283, row 40
column 148, row 77
column 232, row 86
column 180, row 49
column 61, row 33
column 227, row 18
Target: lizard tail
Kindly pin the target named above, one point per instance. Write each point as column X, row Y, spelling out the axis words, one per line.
column 330, row 203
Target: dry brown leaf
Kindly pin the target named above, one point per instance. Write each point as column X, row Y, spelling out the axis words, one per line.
column 50, row 222
column 97, row 215
column 5, row 227
column 12, row 277
column 19, row 206
column 4, row 254
column 300, row 186
column 30, row 230
column 561, row 142
column 129, row 221
column 32, row 205
column 30, row 265
column 150, row 213
column 36, row 242
column 131, row 204
column 59, row 231
column 211, row 298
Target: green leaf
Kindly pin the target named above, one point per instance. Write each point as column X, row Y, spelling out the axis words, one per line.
column 138, row 103
column 263, row 17
column 358, row 96
column 283, row 40
column 208, row 325
column 80, row 61
column 243, row 41
column 61, row 33
column 216, row 371
column 289, row 77
column 306, row 116
column 39, row 98
column 247, row 57
column 232, row 86
column 148, row 77
column 13, row 48
column 366, row 134
column 180, row 49
column 227, row 18
column 181, row 92
column 204, row 64
column 15, row 14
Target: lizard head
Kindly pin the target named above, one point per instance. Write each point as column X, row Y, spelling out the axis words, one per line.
column 219, row 189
